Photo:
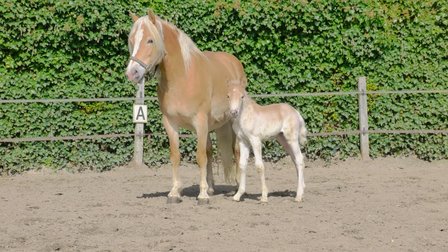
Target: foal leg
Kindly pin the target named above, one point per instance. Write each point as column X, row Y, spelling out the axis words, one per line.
column 173, row 136
column 292, row 147
column 244, row 156
column 257, row 146
column 298, row 162
column 210, row 181
column 237, row 155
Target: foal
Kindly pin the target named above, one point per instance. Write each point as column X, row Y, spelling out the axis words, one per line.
column 253, row 123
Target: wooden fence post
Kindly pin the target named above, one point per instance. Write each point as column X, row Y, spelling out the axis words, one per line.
column 363, row 118
column 139, row 131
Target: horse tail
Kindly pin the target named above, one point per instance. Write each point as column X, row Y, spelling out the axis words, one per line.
column 302, row 130
column 226, row 142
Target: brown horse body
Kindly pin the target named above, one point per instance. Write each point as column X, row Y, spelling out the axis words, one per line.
column 192, row 93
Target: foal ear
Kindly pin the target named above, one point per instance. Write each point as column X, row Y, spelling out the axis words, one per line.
column 133, row 16
column 152, row 16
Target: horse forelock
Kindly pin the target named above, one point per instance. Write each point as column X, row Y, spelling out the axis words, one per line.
column 141, row 31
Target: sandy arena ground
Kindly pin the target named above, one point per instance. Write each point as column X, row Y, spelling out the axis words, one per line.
column 386, row 204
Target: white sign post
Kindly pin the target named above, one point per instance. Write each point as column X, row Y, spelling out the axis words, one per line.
column 140, row 117
column 140, row 114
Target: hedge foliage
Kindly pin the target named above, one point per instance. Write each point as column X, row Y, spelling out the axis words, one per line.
column 78, row 49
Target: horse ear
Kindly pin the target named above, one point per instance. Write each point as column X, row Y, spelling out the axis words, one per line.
column 133, row 16
column 151, row 16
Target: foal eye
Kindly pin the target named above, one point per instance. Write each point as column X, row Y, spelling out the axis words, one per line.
column 150, row 41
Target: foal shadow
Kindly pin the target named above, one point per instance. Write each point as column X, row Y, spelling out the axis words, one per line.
column 192, row 192
column 257, row 196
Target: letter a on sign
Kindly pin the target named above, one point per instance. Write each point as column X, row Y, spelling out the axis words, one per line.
column 140, row 114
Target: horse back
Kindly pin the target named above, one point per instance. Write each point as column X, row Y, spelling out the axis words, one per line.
column 225, row 67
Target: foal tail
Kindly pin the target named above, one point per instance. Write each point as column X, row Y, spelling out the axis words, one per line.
column 302, row 130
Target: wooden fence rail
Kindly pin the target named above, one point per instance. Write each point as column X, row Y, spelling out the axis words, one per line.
column 140, row 98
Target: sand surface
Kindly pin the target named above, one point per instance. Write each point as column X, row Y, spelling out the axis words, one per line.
column 391, row 204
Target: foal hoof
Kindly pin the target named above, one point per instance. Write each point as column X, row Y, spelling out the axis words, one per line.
column 263, row 201
column 172, row 200
column 237, row 197
column 203, row 202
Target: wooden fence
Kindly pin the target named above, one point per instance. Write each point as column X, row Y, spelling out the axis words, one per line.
column 139, row 133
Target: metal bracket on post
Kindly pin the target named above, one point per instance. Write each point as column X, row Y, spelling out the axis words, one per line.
column 363, row 118
column 140, row 117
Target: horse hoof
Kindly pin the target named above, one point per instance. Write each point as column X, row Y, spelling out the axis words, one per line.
column 171, row 200
column 210, row 191
column 203, row 202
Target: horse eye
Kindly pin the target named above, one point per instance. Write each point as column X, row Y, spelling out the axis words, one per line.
column 150, row 41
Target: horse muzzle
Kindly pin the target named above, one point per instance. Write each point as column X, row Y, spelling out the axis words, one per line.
column 134, row 74
column 137, row 69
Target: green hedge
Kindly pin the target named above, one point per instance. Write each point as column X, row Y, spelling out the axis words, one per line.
column 78, row 49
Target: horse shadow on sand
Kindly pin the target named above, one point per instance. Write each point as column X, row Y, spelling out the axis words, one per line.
column 226, row 190
column 193, row 192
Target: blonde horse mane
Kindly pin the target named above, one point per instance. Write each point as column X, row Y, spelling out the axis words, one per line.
column 187, row 46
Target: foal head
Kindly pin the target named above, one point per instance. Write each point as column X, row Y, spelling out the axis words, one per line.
column 146, row 46
column 236, row 94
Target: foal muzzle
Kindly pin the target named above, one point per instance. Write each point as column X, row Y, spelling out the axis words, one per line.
column 234, row 113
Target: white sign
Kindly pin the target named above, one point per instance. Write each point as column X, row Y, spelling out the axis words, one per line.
column 140, row 114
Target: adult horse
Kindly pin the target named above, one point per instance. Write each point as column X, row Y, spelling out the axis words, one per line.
column 192, row 93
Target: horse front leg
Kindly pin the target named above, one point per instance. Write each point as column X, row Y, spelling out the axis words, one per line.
column 173, row 136
column 210, row 180
column 201, row 125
